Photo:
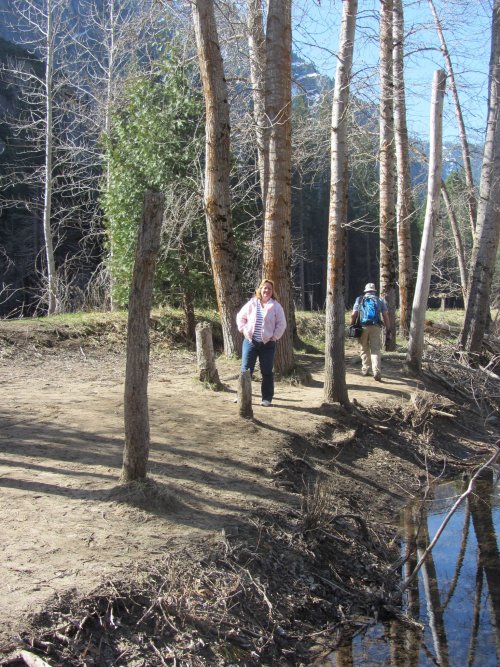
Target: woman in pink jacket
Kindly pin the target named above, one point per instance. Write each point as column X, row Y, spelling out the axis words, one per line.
column 262, row 322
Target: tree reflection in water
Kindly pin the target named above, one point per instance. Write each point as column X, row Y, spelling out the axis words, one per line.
column 457, row 596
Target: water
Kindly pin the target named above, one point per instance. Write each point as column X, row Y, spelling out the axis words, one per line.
column 457, row 598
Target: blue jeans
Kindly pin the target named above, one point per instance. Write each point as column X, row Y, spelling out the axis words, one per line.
column 252, row 350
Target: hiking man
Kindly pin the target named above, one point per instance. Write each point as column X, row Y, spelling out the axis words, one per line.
column 371, row 310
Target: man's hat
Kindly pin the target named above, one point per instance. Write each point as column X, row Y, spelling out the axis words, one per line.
column 370, row 287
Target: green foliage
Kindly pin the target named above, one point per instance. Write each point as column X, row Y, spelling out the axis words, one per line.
column 154, row 143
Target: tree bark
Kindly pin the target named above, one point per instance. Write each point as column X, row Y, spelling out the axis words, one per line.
column 136, row 452
column 404, row 200
column 277, row 256
column 217, row 187
column 488, row 217
column 245, row 395
column 257, row 55
column 388, row 258
column 205, row 354
column 335, row 389
column 416, row 342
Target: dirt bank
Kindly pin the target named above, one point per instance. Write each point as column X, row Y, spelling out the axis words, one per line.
column 255, row 542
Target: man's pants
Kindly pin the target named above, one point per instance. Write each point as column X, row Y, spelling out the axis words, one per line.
column 370, row 348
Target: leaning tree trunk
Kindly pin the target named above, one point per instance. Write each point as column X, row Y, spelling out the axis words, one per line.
column 416, row 342
column 277, row 259
column 217, row 187
column 257, row 55
column 469, row 180
column 136, row 452
column 488, row 216
column 404, row 200
column 335, row 389
column 388, row 261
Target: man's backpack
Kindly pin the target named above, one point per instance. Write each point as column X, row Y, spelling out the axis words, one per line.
column 369, row 310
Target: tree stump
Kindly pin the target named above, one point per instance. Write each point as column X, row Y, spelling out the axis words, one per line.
column 205, row 355
column 245, row 395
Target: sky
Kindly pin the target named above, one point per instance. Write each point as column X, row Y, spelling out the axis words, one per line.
column 467, row 26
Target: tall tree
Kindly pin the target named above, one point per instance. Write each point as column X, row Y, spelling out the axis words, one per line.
column 217, row 163
column 257, row 56
column 388, row 259
column 404, row 200
column 416, row 342
column 469, row 180
column 42, row 29
column 488, row 216
column 335, row 382
column 277, row 258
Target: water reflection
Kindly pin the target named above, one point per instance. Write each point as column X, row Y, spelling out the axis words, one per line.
column 457, row 595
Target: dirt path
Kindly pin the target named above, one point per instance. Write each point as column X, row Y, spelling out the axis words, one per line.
column 61, row 441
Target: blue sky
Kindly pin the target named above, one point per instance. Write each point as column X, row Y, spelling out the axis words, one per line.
column 467, row 32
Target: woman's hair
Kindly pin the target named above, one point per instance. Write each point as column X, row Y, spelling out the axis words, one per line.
column 258, row 292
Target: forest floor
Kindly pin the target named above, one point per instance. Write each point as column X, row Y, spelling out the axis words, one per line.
column 255, row 542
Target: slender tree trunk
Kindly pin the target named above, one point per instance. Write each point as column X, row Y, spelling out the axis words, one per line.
column 277, row 259
column 388, row 257
column 457, row 237
column 136, row 452
column 488, row 217
column 434, row 610
column 47, row 195
column 404, row 200
column 257, row 54
column 217, row 187
column 416, row 342
column 335, row 389
column 469, row 180
column 107, row 127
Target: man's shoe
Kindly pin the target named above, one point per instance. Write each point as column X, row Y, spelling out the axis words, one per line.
column 377, row 376
column 266, row 404
column 365, row 372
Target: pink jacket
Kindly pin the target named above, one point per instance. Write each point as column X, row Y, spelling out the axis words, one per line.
column 274, row 322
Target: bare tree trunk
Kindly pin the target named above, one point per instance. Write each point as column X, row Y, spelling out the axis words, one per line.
column 469, row 180
column 47, row 195
column 335, row 389
column 136, row 452
column 257, row 54
column 245, row 395
column 205, row 355
column 217, row 187
column 277, row 259
column 457, row 236
column 416, row 342
column 388, row 259
column 404, row 200
column 434, row 610
column 488, row 216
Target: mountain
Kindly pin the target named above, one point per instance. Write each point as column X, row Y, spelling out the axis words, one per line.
column 306, row 80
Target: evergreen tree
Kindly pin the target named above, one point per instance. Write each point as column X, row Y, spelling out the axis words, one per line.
column 155, row 143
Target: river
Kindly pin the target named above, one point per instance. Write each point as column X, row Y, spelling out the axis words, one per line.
column 457, row 598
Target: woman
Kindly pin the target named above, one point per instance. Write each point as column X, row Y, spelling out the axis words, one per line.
column 262, row 322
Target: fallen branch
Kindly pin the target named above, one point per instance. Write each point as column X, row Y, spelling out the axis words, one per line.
column 452, row 511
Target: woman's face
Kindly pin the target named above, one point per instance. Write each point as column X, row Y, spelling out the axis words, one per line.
column 267, row 291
